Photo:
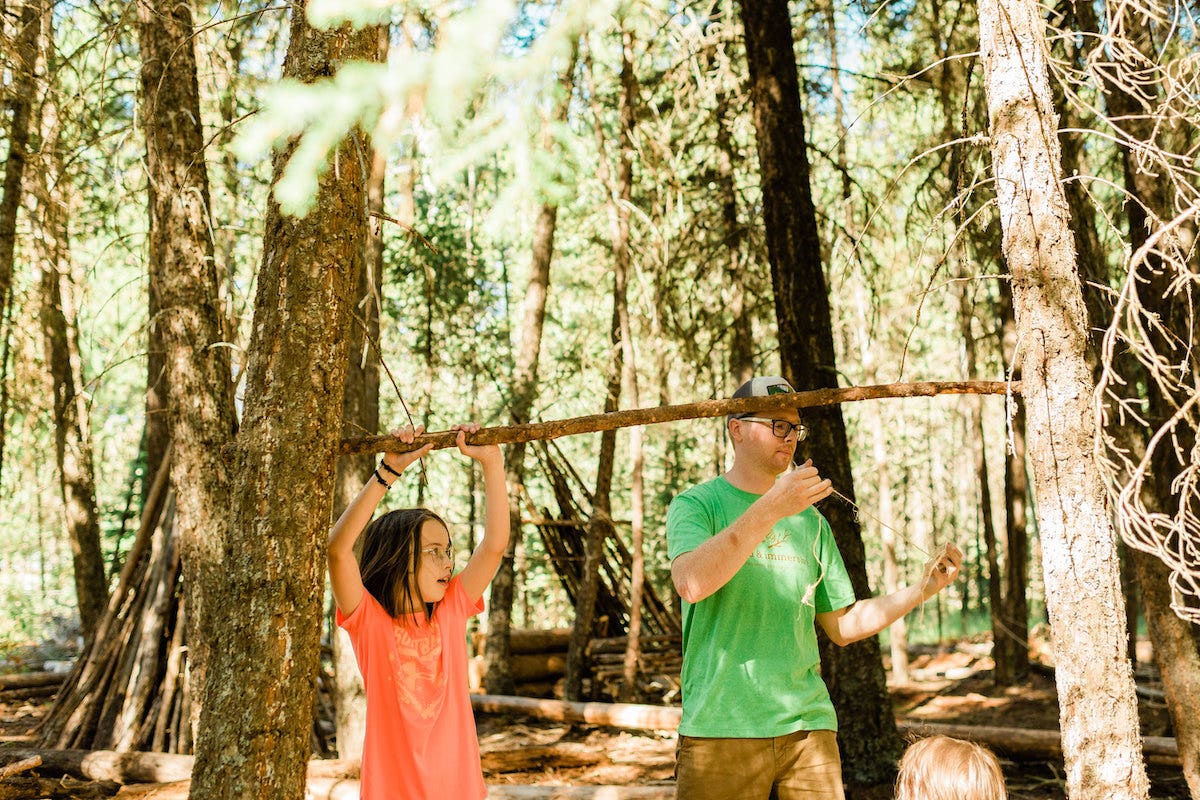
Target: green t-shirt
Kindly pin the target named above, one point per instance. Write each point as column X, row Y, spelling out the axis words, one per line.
column 750, row 662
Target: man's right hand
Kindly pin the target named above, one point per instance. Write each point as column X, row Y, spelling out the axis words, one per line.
column 797, row 489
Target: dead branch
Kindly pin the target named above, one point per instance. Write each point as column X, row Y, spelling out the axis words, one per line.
column 1022, row 742
column 593, row 423
column 31, row 680
column 18, row 767
column 542, row 757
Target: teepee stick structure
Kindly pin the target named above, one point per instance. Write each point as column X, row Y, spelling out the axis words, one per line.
column 542, row 431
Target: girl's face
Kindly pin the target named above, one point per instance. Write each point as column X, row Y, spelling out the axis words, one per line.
column 436, row 563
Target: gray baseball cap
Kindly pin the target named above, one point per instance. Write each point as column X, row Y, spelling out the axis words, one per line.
column 762, row 386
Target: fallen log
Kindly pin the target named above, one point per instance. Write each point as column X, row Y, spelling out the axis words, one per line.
column 561, row 755
column 333, row 789
column 536, row 640
column 593, row 423
column 1011, row 741
column 1032, row 743
column 616, row 644
column 29, row 680
column 146, row 768
column 23, row 788
column 616, row 715
column 18, row 767
column 13, row 695
column 534, row 667
column 515, row 792
column 106, row 765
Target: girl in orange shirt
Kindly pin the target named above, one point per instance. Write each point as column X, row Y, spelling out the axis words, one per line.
column 406, row 612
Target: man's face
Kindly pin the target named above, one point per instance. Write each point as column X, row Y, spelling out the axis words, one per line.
column 759, row 443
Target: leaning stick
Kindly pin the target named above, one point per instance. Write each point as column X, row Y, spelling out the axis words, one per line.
column 541, row 431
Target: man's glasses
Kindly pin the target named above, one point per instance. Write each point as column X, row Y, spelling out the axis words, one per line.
column 781, row 427
column 437, row 551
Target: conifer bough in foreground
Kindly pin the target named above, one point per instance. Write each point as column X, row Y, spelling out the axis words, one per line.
column 541, row 431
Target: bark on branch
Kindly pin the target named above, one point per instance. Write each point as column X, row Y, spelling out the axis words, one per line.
column 592, row 423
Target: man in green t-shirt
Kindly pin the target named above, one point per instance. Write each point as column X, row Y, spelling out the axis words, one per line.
column 757, row 568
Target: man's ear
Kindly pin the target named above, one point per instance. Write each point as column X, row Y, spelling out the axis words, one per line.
column 735, row 430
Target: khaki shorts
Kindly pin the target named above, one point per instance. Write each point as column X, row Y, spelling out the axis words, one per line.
column 800, row 766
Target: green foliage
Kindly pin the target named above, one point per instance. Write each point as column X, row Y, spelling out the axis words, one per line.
column 465, row 109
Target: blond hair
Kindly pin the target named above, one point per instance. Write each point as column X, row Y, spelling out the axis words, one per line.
column 941, row 768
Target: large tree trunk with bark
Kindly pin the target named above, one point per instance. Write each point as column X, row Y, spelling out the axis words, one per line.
column 49, row 212
column 1098, row 714
column 498, row 678
column 267, row 648
column 21, row 95
column 854, row 674
column 189, row 323
column 360, row 415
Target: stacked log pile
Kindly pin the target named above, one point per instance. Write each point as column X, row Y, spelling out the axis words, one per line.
column 563, row 537
column 660, row 661
column 129, row 688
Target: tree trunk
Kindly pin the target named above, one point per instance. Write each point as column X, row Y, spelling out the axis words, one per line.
column 267, row 648
column 898, row 631
column 188, row 321
column 867, row 736
column 1012, row 648
column 1098, row 709
column 620, row 190
column 741, row 329
column 360, row 415
column 976, row 434
column 21, row 93
column 72, row 439
column 498, row 679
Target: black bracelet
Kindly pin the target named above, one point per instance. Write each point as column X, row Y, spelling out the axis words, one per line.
column 384, row 464
column 382, row 482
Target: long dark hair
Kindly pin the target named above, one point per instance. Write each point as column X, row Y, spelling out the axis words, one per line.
column 391, row 553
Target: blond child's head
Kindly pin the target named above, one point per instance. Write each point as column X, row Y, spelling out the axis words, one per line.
column 941, row 768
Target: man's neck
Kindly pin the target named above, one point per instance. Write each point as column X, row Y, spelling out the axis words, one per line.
column 750, row 479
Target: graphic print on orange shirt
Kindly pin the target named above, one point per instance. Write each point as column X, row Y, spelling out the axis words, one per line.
column 416, row 659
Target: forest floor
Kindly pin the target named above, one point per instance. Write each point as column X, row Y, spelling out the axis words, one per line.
column 951, row 684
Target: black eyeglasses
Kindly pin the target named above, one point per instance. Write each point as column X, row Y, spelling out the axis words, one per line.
column 781, row 427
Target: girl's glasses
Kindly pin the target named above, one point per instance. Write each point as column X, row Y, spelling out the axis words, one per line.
column 781, row 427
column 437, row 551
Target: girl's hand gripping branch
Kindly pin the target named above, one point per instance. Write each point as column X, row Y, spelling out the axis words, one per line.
column 486, row 559
column 395, row 463
column 344, row 575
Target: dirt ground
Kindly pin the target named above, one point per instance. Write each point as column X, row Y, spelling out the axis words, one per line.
column 952, row 685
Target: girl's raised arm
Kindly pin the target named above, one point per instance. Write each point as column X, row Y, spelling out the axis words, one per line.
column 344, row 576
column 485, row 561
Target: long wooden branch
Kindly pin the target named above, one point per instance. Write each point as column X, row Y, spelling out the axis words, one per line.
column 541, row 431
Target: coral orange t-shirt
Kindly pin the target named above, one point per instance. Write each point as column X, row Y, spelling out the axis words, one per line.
column 420, row 740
